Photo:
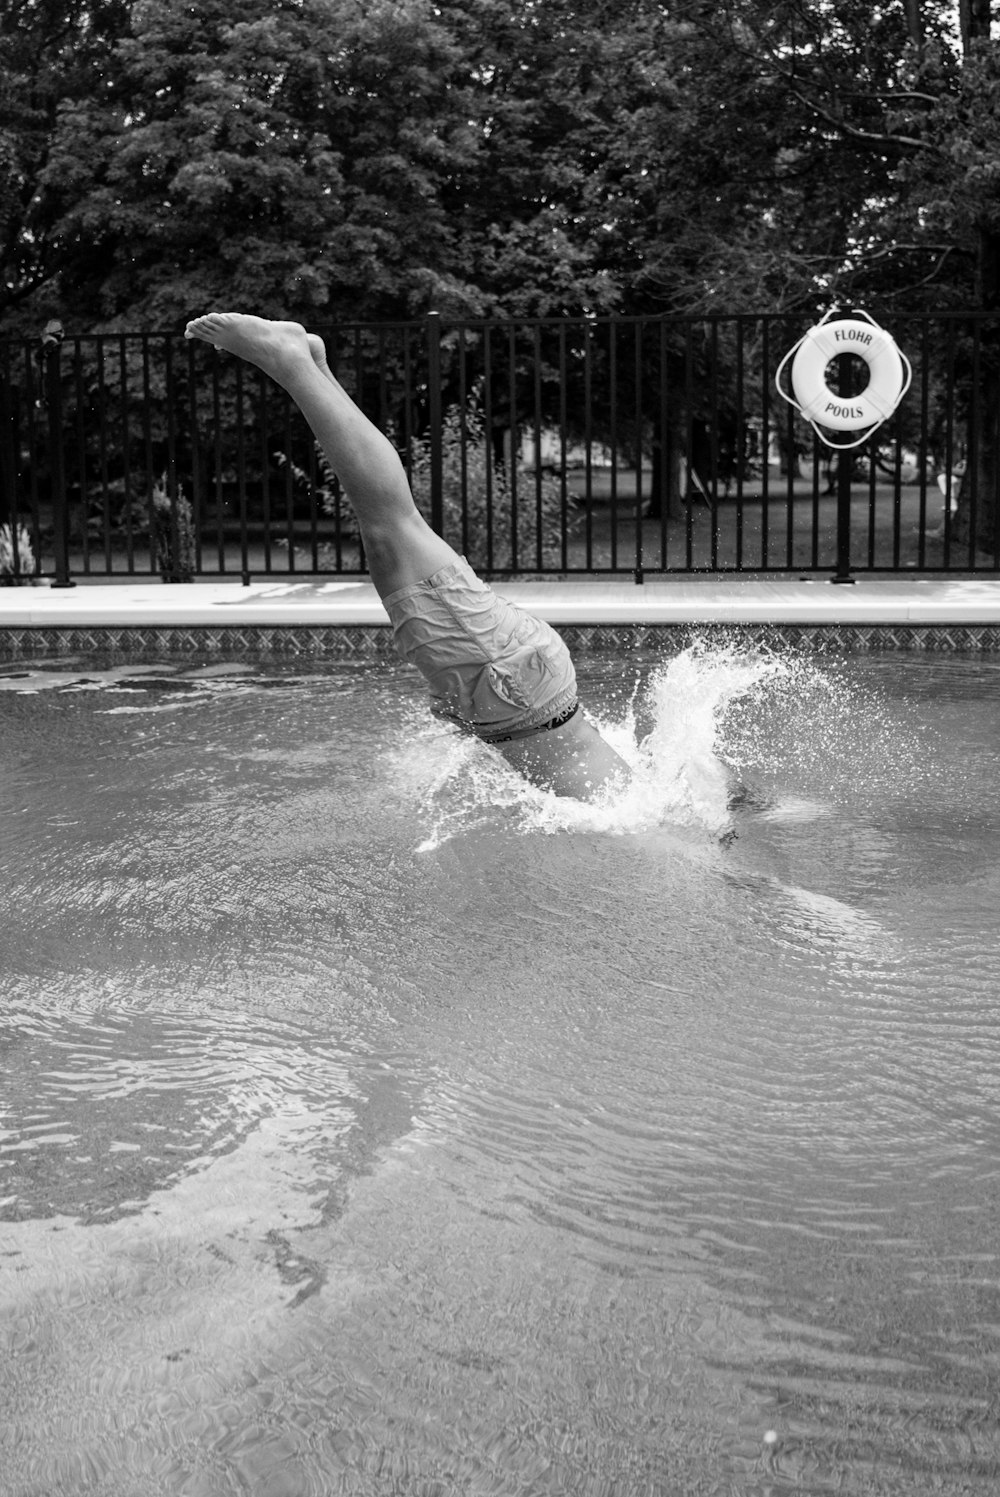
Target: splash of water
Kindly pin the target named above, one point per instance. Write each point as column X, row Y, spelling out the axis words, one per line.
column 679, row 772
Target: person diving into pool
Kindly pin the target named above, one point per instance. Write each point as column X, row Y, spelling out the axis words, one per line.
column 492, row 667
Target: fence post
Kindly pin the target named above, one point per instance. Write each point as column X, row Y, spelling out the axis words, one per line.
column 52, row 337
column 843, row 572
column 845, row 462
column 8, row 449
column 435, row 419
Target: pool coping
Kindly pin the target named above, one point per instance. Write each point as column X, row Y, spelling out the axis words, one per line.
column 344, row 615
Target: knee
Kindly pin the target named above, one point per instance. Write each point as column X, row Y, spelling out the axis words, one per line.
column 396, row 533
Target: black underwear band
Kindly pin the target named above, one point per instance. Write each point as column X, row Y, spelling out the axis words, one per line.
column 554, row 722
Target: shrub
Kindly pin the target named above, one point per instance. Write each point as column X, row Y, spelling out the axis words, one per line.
column 171, row 534
column 486, row 533
column 470, row 484
column 17, row 557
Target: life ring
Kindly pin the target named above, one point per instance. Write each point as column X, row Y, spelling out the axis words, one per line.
column 887, row 379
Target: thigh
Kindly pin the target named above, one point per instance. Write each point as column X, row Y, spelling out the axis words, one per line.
column 403, row 552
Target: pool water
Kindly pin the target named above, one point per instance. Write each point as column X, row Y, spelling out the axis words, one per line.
column 373, row 1124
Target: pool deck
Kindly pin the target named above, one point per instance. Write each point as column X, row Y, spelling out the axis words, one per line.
column 660, row 600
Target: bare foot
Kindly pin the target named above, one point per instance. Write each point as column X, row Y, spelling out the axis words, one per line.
column 276, row 347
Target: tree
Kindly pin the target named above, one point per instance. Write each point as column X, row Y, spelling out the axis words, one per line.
column 796, row 154
column 53, row 53
column 973, row 115
column 317, row 156
column 490, row 156
column 287, row 156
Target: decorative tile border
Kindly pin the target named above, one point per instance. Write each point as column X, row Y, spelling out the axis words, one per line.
column 844, row 638
column 358, row 641
column 342, row 640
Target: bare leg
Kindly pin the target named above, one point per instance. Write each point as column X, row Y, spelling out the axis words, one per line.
column 400, row 546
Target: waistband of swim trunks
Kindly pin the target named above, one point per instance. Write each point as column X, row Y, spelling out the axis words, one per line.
column 459, row 571
column 552, row 715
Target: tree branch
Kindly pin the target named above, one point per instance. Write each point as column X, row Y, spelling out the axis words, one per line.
column 897, row 94
column 869, row 138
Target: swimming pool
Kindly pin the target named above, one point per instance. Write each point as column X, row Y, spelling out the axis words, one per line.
column 372, row 1124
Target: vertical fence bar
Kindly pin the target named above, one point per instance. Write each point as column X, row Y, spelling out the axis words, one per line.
column 843, row 572
column 689, row 469
column 241, row 474
column 994, row 498
column 386, row 422
column 791, row 477
column 536, row 432
column 844, row 466
column 873, row 474
column 9, row 428
column 613, row 413
column 217, row 428
column 79, row 404
column 358, row 392
column 923, row 452
column 12, row 401
column 435, row 419
column 287, row 448
column 814, row 507
column 588, row 439
column 765, row 480
column 320, row 553
column 740, row 444
column 714, row 466
column 147, row 440
column 489, row 423
column 659, row 492
column 463, row 433
column 52, row 350
column 114, row 460
column 8, row 446
column 102, row 440
column 179, row 560
column 639, row 425
column 264, row 459
column 972, row 442
column 263, row 463
column 25, row 431
column 9, row 478
column 313, row 471
column 791, row 464
column 194, row 451
column 512, row 454
column 897, row 498
column 949, row 445
column 34, row 399
column 956, row 456
column 126, row 452
column 384, row 411
column 404, row 438
column 563, row 456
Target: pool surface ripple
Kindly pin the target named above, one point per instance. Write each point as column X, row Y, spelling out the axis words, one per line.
column 372, row 1125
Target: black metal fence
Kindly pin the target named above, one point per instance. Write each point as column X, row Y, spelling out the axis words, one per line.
column 605, row 445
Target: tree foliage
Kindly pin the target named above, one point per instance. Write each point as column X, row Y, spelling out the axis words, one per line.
column 328, row 159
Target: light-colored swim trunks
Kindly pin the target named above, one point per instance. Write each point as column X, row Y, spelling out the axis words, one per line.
column 491, row 666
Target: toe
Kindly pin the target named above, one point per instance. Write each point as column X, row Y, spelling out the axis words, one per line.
column 206, row 327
